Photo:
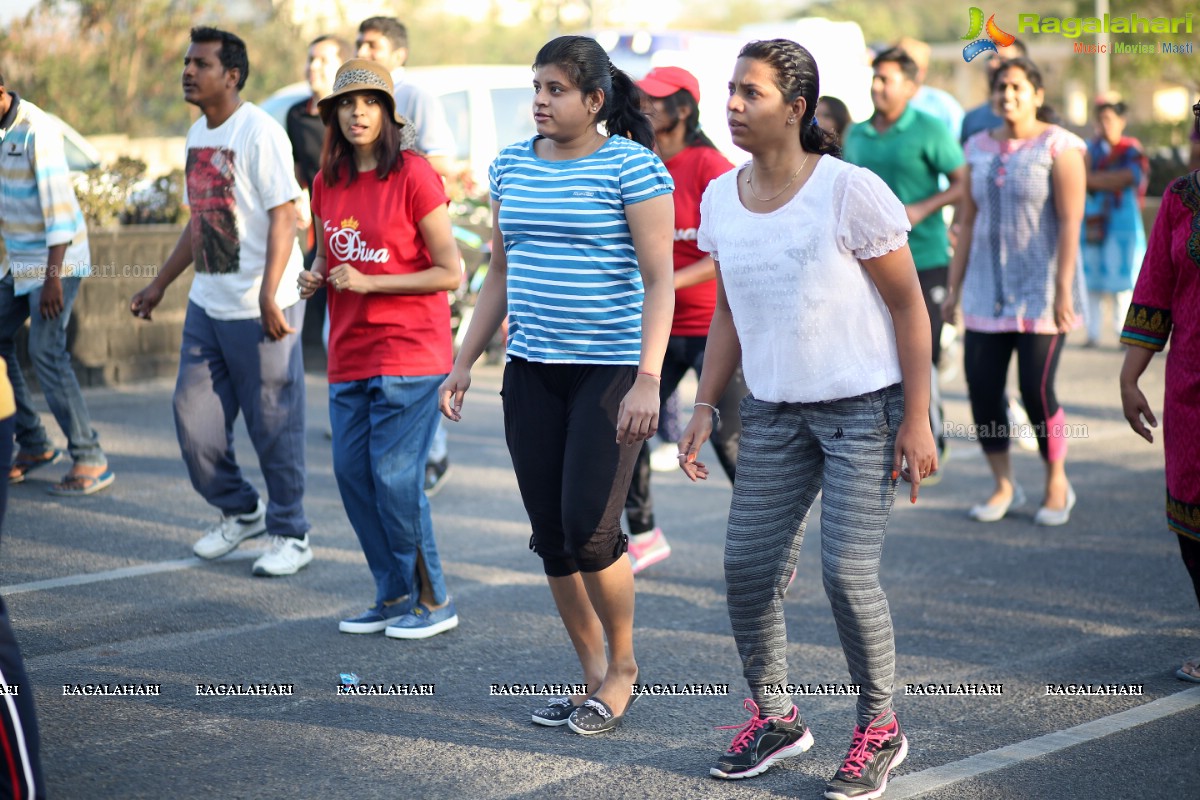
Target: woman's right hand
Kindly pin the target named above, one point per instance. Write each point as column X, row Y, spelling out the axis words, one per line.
column 697, row 432
column 1136, row 408
column 309, row 282
column 950, row 306
column 450, row 395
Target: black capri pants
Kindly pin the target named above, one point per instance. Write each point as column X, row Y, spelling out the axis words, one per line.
column 560, row 422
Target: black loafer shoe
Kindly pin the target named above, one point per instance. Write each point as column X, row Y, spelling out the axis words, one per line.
column 556, row 712
column 594, row 716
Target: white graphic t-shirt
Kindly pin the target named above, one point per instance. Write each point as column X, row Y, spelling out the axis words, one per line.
column 236, row 173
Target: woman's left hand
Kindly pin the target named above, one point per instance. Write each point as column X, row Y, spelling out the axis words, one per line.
column 1064, row 311
column 916, row 446
column 345, row 278
column 637, row 419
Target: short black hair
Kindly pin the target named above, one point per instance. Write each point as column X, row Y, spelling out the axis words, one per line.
column 232, row 52
column 392, row 29
column 342, row 45
column 901, row 58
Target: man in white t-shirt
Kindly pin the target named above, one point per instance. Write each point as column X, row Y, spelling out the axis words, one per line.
column 241, row 343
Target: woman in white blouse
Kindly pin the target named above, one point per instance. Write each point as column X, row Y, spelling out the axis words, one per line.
column 818, row 293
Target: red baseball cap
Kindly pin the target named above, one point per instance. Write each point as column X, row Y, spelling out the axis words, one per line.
column 666, row 81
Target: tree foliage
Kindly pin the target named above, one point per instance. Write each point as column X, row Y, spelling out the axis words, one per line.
column 113, row 66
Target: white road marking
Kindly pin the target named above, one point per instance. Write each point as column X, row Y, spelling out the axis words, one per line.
column 123, row 572
column 929, row 780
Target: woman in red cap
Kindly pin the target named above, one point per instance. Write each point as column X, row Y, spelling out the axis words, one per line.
column 672, row 105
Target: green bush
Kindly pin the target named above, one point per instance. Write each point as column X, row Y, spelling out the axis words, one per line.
column 120, row 195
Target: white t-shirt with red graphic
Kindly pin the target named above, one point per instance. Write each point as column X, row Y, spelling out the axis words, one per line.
column 236, row 173
column 372, row 225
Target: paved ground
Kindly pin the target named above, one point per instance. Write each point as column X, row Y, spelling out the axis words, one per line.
column 103, row 590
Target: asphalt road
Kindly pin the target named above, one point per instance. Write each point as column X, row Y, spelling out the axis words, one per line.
column 103, row 590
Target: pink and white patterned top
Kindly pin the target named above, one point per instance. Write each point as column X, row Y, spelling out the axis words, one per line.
column 1011, row 270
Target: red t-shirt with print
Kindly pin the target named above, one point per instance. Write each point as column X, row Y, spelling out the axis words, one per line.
column 692, row 168
column 372, row 225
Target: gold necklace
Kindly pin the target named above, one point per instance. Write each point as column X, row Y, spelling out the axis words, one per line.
column 792, row 180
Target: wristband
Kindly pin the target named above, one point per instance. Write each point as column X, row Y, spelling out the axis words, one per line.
column 716, row 412
column 654, row 375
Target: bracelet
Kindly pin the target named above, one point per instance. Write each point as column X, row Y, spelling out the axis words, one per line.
column 716, row 412
column 654, row 375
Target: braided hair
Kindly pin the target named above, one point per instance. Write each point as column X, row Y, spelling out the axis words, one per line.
column 587, row 66
column 796, row 76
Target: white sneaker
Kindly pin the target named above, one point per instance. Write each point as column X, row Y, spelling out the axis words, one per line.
column 227, row 534
column 286, row 556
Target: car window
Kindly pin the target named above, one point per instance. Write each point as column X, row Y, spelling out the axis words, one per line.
column 514, row 115
column 458, row 115
column 77, row 160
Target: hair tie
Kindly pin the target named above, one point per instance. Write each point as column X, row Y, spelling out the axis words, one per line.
column 612, row 70
column 813, row 121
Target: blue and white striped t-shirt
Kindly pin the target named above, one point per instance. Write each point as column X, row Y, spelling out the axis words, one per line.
column 574, row 289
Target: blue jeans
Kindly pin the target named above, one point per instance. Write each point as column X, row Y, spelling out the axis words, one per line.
column 382, row 430
column 52, row 365
column 227, row 367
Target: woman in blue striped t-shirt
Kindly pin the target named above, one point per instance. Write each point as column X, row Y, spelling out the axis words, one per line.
column 583, row 228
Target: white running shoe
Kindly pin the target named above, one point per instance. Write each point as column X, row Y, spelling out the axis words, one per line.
column 286, row 556
column 226, row 535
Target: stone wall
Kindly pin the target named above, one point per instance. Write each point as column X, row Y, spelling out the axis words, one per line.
column 108, row 344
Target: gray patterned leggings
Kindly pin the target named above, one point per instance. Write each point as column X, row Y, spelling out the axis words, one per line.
column 788, row 453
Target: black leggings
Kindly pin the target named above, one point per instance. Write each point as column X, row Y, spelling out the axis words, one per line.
column 1189, row 548
column 18, row 721
column 560, row 421
column 933, row 287
column 684, row 353
column 986, row 357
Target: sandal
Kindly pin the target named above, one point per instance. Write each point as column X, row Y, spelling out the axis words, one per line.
column 75, row 484
column 1190, row 671
column 28, row 462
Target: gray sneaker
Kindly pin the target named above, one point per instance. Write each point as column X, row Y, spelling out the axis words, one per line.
column 226, row 535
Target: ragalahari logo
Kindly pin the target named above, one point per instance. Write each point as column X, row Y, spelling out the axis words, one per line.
column 995, row 37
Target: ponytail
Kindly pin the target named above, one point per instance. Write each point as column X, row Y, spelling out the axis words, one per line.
column 624, row 110
column 816, row 139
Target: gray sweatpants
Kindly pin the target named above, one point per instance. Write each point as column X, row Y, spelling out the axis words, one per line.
column 227, row 368
column 788, row 453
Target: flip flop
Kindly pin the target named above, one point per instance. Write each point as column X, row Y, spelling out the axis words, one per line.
column 75, row 485
column 1190, row 671
column 28, row 462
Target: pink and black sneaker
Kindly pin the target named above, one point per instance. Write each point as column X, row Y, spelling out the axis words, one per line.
column 874, row 752
column 647, row 549
column 761, row 742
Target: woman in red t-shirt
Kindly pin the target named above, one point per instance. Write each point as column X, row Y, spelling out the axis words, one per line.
column 673, row 95
column 386, row 249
